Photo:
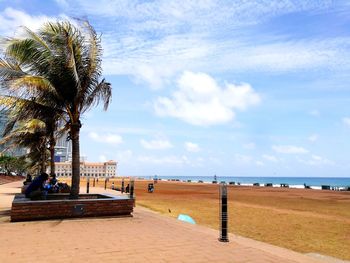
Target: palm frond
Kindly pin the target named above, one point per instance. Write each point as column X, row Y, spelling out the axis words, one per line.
column 33, row 85
column 10, row 70
column 102, row 92
column 29, row 53
column 37, row 38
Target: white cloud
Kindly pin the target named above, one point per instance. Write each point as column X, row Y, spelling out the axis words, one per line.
column 192, row 147
column 313, row 137
column 346, row 121
column 203, row 13
column 106, row 138
column 274, row 56
column 156, row 144
column 11, row 19
column 289, row 149
column 270, row 158
column 203, row 36
column 156, row 62
column 316, row 160
column 199, row 100
column 249, row 146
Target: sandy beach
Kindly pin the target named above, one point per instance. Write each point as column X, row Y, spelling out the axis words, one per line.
column 304, row 220
column 147, row 236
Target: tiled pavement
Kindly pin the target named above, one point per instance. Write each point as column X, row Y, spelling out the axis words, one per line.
column 145, row 237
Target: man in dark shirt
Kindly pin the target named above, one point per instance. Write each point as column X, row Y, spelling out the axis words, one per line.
column 35, row 189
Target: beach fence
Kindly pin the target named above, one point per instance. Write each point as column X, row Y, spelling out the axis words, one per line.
column 223, row 213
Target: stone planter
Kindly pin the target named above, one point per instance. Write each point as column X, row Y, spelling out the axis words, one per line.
column 59, row 206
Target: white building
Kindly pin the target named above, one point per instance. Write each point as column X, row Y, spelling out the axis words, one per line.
column 105, row 169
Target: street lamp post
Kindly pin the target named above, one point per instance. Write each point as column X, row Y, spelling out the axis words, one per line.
column 87, row 184
column 223, row 214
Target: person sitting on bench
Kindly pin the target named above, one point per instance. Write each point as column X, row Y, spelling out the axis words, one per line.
column 29, row 179
column 36, row 188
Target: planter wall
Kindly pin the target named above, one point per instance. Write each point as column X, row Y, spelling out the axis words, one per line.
column 59, row 206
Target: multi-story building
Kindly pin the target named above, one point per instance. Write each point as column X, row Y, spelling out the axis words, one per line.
column 3, row 120
column 13, row 151
column 63, row 149
column 100, row 169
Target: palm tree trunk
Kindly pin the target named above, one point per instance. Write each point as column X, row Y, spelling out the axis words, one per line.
column 52, row 155
column 75, row 132
column 43, row 161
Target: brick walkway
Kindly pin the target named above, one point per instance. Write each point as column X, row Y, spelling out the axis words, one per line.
column 146, row 237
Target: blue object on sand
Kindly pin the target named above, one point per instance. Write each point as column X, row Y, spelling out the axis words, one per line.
column 186, row 218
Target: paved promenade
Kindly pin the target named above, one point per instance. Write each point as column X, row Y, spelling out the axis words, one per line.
column 145, row 237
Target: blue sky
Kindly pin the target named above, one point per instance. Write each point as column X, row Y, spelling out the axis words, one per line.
column 233, row 88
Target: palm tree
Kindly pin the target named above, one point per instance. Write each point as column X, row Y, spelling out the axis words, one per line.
column 61, row 65
column 32, row 135
column 20, row 110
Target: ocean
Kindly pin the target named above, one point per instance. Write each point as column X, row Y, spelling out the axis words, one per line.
column 297, row 182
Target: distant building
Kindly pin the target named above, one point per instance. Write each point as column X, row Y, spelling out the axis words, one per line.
column 100, row 169
column 3, row 120
column 12, row 152
column 63, row 149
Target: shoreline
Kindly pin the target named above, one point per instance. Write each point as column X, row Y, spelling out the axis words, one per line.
column 257, row 184
column 283, row 185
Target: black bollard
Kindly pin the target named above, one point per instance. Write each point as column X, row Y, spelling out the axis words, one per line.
column 87, row 185
column 122, row 188
column 105, row 183
column 223, row 213
column 131, row 190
